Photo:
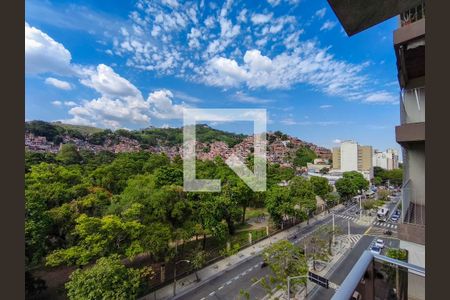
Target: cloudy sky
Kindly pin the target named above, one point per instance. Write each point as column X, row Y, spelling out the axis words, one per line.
column 132, row 64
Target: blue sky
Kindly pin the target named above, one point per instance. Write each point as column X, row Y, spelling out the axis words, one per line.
column 127, row 64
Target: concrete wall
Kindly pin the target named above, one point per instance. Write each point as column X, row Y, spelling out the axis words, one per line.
column 416, row 171
column 349, row 156
column 414, row 113
column 337, row 158
column 365, row 162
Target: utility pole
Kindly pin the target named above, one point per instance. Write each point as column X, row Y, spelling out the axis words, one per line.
column 175, row 275
column 333, row 226
column 360, row 207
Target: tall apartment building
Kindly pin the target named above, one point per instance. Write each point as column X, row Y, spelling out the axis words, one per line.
column 350, row 156
column 386, row 159
column 409, row 46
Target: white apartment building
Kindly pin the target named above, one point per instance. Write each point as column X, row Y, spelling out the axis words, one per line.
column 387, row 159
column 350, row 156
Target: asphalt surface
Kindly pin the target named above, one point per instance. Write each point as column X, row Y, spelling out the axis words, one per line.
column 246, row 275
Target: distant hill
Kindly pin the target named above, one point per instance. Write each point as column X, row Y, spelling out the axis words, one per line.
column 86, row 130
column 44, row 136
column 152, row 136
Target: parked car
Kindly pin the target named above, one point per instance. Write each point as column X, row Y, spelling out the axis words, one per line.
column 356, row 296
column 379, row 243
column 375, row 249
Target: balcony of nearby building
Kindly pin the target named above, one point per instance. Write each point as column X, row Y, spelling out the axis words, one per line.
column 412, row 225
column 356, row 15
column 410, row 133
column 409, row 44
column 412, row 116
column 380, row 277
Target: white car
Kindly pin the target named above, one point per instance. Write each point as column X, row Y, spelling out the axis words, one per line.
column 379, row 243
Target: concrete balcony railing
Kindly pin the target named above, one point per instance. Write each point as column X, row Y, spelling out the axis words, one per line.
column 380, row 277
column 409, row 133
column 412, row 225
column 409, row 32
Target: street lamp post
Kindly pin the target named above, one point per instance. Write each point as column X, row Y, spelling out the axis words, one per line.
column 333, row 227
column 289, row 285
column 175, row 275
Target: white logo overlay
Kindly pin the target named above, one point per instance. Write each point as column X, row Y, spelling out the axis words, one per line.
column 256, row 180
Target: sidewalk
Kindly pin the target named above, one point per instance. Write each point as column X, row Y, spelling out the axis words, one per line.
column 210, row 272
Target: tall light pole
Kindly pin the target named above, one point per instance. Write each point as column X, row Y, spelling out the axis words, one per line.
column 333, row 226
column 175, row 275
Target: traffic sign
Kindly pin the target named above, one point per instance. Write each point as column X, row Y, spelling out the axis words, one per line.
column 318, row 279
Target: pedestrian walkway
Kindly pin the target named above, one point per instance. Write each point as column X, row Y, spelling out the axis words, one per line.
column 384, row 224
column 212, row 271
column 347, row 217
column 354, row 238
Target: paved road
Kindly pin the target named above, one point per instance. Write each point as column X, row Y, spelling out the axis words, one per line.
column 229, row 285
column 339, row 273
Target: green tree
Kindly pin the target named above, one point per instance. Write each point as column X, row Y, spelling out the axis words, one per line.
column 332, row 199
column 346, row 188
column 68, row 154
column 358, row 180
column 284, row 259
column 303, row 156
column 107, row 279
column 301, row 191
column 198, row 261
column 108, row 235
column 156, row 161
column 168, row 175
column 278, row 203
column 321, row 186
column 383, row 194
column 318, row 248
column 377, row 181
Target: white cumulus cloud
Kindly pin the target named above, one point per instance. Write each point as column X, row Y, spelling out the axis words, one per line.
column 328, row 25
column 44, row 55
column 60, row 84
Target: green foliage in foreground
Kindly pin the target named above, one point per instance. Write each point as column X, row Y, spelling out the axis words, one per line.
column 400, row 254
column 284, row 259
column 107, row 279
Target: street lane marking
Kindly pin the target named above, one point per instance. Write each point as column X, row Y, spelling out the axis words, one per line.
column 203, row 298
column 256, row 265
column 220, row 288
column 212, row 293
column 236, row 278
column 229, row 282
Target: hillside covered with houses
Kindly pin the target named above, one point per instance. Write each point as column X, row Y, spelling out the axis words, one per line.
column 282, row 149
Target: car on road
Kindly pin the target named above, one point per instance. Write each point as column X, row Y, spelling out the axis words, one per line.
column 375, row 249
column 379, row 243
column 356, row 296
column 395, row 216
